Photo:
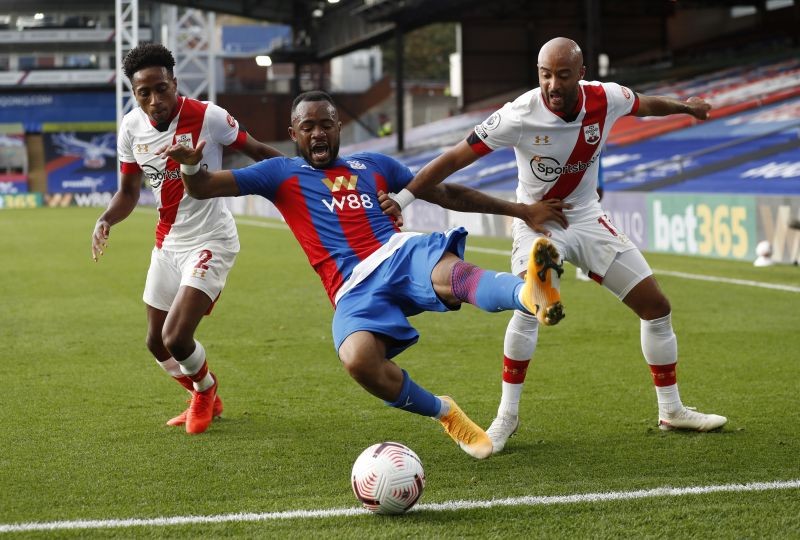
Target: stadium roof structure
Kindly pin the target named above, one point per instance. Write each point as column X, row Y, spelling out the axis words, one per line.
column 499, row 40
column 325, row 30
column 331, row 29
column 750, row 145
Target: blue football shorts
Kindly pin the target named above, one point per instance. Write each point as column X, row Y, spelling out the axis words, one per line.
column 397, row 289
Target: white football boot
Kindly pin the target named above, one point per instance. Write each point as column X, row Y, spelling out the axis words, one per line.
column 689, row 419
column 503, row 427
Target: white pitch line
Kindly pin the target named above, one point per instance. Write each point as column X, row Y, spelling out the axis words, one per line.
column 611, row 496
column 685, row 275
column 666, row 491
column 732, row 281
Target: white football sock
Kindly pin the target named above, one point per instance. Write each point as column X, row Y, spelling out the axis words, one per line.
column 444, row 408
column 659, row 343
column 522, row 334
column 660, row 347
column 194, row 363
column 509, row 402
column 669, row 400
column 171, row 366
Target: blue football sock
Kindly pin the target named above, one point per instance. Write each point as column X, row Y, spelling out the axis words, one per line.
column 414, row 398
column 486, row 289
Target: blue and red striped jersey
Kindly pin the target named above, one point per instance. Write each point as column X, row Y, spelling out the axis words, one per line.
column 334, row 213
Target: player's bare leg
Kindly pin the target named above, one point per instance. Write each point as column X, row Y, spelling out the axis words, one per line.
column 155, row 326
column 155, row 344
column 184, row 316
column 660, row 349
column 363, row 355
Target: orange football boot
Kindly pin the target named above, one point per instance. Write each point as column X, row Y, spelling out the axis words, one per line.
column 201, row 409
column 540, row 294
column 181, row 418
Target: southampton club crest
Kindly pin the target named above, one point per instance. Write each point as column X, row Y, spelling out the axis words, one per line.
column 591, row 133
column 492, row 122
column 185, row 139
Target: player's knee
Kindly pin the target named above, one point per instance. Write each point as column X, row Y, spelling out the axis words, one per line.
column 655, row 309
column 365, row 369
column 357, row 368
column 177, row 344
column 154, row 343
column 363, row 356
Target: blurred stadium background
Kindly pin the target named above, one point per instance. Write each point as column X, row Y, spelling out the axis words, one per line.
column 414, row 76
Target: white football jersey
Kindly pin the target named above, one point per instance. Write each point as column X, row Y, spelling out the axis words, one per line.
column 557, row 159
column 183, row 222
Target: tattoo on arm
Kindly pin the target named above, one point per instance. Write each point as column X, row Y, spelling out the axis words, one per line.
column 463, row 199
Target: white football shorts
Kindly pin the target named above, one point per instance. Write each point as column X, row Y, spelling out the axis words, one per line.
column 595, row 245
column 205, row 268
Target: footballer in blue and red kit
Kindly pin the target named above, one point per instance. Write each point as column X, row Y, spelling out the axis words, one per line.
column 375, row 275
column 335, row 215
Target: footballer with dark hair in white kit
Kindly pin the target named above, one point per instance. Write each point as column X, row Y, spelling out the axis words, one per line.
column 196, row 241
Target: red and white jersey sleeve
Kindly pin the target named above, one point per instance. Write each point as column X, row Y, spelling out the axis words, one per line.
column 556, row 158
column 183, row 222
column 124, row 144
column 222, row 127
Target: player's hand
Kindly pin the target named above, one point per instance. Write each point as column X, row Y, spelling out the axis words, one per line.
column 390, row 208
column 183, row 154
column 100, row 238
column 539, row 213
column 698, row 107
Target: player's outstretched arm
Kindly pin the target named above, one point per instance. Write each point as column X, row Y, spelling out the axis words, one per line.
column 465, row 199
column 198, row 182
column 664, row 106
column 432, row 174
column 257, row 151
column 121, row 205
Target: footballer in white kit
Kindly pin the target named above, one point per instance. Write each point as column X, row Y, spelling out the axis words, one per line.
column 557, row 131
column 557, row 159
column 195, row 241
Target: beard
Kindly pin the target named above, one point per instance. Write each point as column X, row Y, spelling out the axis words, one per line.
column 317, row 159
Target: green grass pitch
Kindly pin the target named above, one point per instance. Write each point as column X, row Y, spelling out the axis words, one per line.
column 83, row 405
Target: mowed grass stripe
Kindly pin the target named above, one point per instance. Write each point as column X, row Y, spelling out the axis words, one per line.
column 532, row 500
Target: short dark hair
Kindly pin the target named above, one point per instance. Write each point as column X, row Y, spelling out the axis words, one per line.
column 313, row 95
column 147, row 55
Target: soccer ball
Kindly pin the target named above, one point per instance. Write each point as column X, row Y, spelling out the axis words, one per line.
column 388, row 478
column 764, row 252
